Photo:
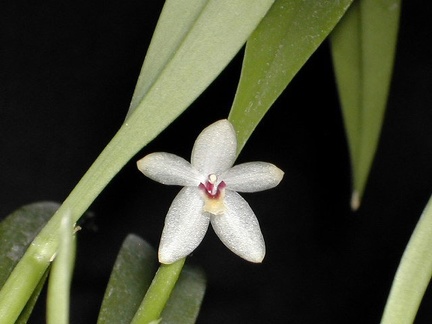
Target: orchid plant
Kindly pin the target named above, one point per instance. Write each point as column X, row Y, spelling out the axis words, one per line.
column 192, row 44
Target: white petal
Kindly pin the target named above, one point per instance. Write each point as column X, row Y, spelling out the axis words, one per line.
column 238, row 228
column 185, row 226
column 169, row 169
column 215, row 148
column 252, row 176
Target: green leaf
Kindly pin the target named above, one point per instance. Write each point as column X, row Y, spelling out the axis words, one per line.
column 346, row 53
column 61, row 275
column 169, row 34
column 185, row 300
column 193, row 41
column 413, row 274
column 16, row 233
column 363, row 49
column 282, row 43
column 208, row 41
column 131, row 276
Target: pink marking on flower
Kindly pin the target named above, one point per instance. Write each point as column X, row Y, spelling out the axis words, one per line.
column 212, row 188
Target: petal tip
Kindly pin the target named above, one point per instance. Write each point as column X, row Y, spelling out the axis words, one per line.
column 139, row 164
column 278, row 174
column 220, row 124
column 166, row 257
column 255, row 256
column 223, row 126
column 222, row 121
column 256, row 259
column 142, row 164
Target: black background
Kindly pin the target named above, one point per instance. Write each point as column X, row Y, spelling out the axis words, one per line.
column 68, row 70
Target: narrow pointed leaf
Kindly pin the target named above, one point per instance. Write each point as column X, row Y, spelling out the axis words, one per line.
column 282, row 43
column 413, row 275
column 185, row 301
column 170, row 32
column 346, row 54
column 58, row 301
column 364, row 47
column 131, row 276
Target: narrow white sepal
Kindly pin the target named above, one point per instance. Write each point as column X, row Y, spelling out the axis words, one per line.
column 169, row 169
column 238, row 228
column 185, row 226
column 215, row 148
column 252, row 177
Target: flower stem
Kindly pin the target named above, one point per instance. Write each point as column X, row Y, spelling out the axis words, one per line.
column 158, row 293
column 61, row 276
column 20, row 286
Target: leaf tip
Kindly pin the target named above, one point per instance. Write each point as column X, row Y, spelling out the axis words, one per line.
column 355, row 200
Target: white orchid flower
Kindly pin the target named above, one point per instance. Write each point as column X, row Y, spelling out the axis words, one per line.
column 210, row 195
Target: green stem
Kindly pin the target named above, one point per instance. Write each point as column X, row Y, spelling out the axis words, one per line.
column 61, row 276
column 158, row 293
column 413, row 275
column 30, row 269
column 20, row 286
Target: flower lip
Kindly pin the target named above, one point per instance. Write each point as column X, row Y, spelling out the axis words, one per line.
column 212, row 187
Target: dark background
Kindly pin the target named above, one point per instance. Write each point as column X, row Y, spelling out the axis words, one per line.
column 68, row 70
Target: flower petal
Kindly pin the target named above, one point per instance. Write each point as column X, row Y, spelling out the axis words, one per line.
column 252, row 176
column 169, row 169
column 238, row 228
column 215, row 148
column 185, row 226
